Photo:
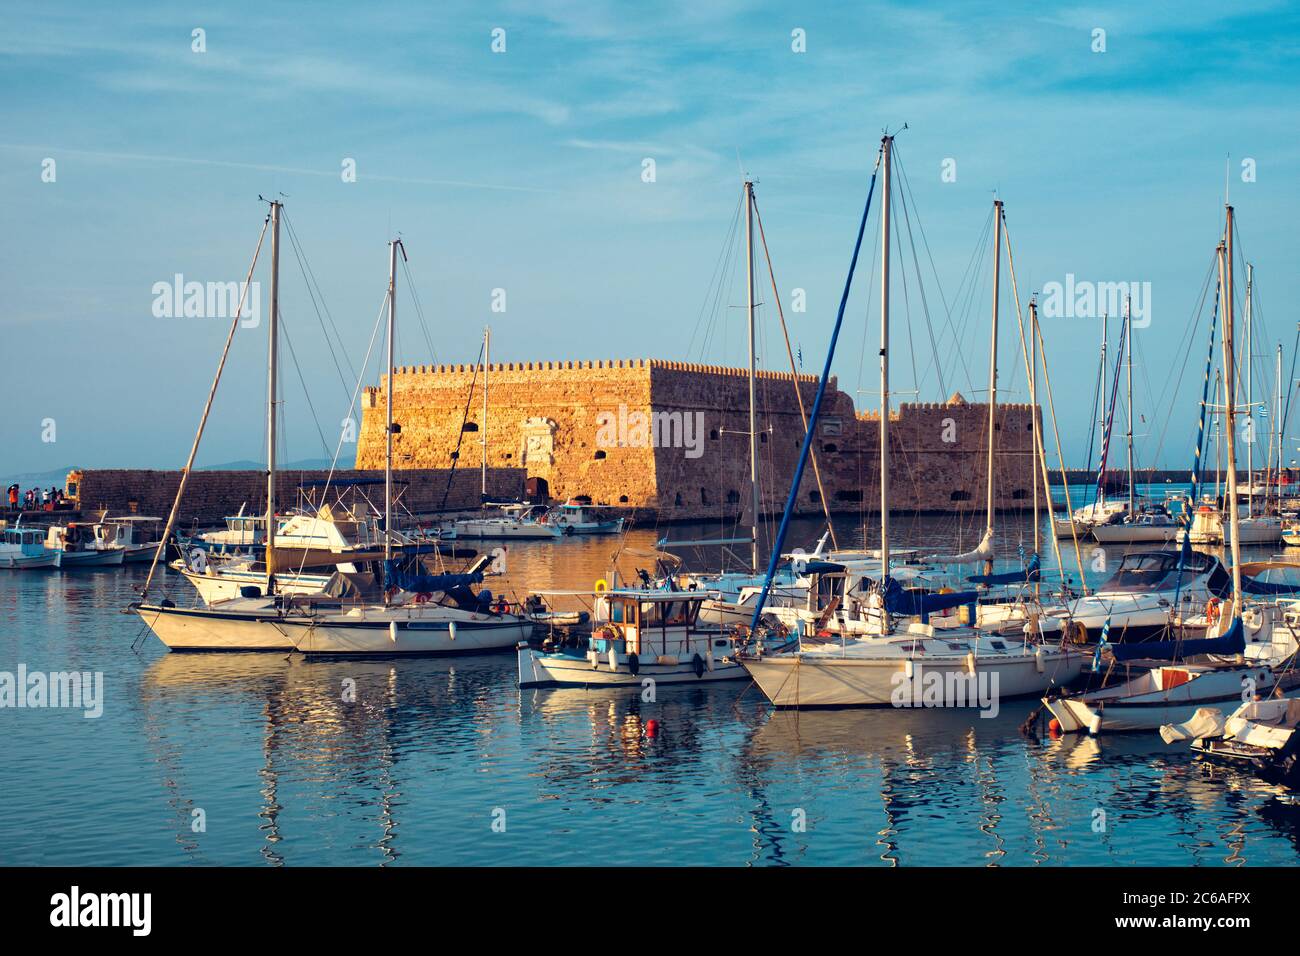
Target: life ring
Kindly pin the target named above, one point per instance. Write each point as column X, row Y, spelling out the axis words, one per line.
column 1213, row 608
column 601, row 586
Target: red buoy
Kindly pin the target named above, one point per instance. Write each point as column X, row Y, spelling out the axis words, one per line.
column 652, row 728
column 1054, row 727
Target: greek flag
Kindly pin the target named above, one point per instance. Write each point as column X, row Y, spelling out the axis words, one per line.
column 1096, row 655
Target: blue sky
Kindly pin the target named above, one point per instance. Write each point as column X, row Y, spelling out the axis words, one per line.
column 522, row 170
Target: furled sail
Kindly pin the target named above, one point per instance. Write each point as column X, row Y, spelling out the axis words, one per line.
column 983, row 553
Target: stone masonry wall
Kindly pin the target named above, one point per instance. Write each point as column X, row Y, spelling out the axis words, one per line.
column 212, row 495
column 674, row 437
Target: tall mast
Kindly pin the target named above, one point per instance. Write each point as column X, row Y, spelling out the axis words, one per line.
column 1128, row 338
column 1033, row 406
column 388, row 427
column 273, row 357
column 753, row 423
column 1277, row 421
column 487, row 364
column 1230, row 404
column 993, row 366
column 887, row 143
column 1102, row 406
column 1250, row 399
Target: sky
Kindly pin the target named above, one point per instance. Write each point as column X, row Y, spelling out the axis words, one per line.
column 507, row 144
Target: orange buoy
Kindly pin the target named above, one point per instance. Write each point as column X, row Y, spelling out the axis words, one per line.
column 1054, row 727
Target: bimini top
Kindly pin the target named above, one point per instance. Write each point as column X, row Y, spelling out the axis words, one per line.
column 1158, row 571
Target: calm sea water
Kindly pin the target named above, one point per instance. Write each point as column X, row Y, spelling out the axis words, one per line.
column 433, row 752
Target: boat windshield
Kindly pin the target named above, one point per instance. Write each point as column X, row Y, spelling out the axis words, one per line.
column 1155, row 571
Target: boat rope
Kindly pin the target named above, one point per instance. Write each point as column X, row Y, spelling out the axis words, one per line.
column 793, row 496
column 203, row 419
column 794, row 371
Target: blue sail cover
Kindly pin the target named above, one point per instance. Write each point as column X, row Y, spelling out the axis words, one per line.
column 910, row 602
column 419, row 583
column 1234, row 642
column 1253, row 586
column 1028, row 575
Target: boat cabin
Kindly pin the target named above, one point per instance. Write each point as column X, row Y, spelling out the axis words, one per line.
column 1158, row 571
column 660, row 623
column 26, row 541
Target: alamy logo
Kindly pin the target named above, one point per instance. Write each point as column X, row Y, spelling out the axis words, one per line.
column 73, row 690
column 179, row 299
column 75, row 908
column 1083, row 299
column 636, row 429
column 928, row 687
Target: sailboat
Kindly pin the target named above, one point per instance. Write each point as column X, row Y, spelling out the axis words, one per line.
column 921, row 666
column 355, row 613
column 1172, row 693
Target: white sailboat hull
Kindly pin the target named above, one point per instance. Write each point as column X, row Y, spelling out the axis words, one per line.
column 418, row 632
column 490, row 531
column 1135, row 534
column 191, row 629
column 226, row 585
column 797, row 681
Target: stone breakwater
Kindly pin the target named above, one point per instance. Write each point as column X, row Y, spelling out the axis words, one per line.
column 212, row 495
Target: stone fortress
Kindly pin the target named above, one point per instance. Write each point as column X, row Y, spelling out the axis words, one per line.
column 672, row 438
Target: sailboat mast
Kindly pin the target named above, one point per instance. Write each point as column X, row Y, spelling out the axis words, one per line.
column 487, row 364
column 1250, row 399
column 993, row 366
column 1230, row 406
column 1277, row 421
column 273, row 359
column 1102, row 406
column 388, row 426
column 1033, row 409
column 753, row 423
column 1128, row 338
column 887, row 143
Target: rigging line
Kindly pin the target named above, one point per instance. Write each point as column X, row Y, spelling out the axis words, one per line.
column 203, row 419
column 464, row 418
column 925, row 242
column 817, row 404
column 1040, row 451
column 907, row 305
column 724, row 256
column 329, row 477
column 318, row 302
column 284, row 330
column 419, row 311
column 798, row 392
column 916, row 265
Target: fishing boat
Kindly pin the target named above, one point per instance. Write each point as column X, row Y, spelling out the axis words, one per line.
column 647, row 636
column 574, row 517
column 136, row 534
column 24, row 549
column 243, row 533
column 84, row 544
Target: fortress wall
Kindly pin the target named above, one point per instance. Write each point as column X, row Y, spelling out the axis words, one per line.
column 673, row 436
column 212, row 495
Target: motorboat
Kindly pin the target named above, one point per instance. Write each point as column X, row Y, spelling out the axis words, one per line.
column 1260, row 736
column 515, row 522
column 574, row 517
column 1144, row 528
column 1138, row 601
column 85, row 544
column 24, row 549
column 648, row 636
